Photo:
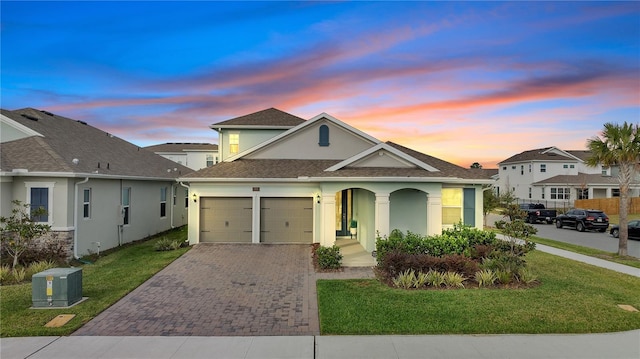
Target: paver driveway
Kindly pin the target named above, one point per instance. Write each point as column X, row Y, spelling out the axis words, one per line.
column 221, row 289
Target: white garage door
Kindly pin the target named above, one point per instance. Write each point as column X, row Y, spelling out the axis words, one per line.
column 225, row 219
column 286, row 220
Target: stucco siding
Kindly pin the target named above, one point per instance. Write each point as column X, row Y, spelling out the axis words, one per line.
column 342, row 144
column 408, row 211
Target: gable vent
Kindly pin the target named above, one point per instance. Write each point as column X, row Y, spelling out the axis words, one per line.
column 47, row 113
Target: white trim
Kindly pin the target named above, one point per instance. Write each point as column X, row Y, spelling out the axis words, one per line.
column 382, row 147
column 565, row 153
column 82, row 175
column 20, row 127
column 293, row 130
column 341, row 179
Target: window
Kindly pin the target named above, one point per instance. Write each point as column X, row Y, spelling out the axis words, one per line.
column 513, row 167
column 210, row 160
column 560, row 193
column 163, row 202
column 529, row 192
column 543, row 193
column 40, row 195
column 605, row 171
column 174, row 192
column 565, row 166
column 521, row 169
column 40, row 200
column 126, row 205
column 504, row 168
column 615, row 192
column 323, row 133
column 86, row 203
column 582, row 193
column 529, row 167
column 451, row 206
column 543, row 168
column 572, row 166
column 234, row 143
column 186, row 198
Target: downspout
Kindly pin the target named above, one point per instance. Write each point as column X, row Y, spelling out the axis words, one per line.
column 172, row 204
column 188, row 188
column 75, row 218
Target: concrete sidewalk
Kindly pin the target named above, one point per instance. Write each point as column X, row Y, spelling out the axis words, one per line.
column 610, row 345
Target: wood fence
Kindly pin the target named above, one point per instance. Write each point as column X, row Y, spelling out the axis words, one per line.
column 608, row 205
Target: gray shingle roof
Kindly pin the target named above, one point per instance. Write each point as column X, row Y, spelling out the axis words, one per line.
column 66, row 139
column 540, row 155
column 270, row 117
column 181, row 147
column 288, row 168
column 580, row 179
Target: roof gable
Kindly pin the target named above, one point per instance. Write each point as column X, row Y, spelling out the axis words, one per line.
column 269, row 118
column 543, row 154
column 382, row 155
column 302, row 142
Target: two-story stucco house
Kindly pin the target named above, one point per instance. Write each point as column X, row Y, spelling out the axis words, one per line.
column 193, row 155
column 99, row 190
column 557, row 177
column 285, row 179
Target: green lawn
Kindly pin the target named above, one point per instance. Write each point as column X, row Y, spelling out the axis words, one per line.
column 104, row 282
column 573, row 298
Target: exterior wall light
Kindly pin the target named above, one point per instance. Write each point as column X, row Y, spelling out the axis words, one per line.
column 195, row 198
column 318, row 198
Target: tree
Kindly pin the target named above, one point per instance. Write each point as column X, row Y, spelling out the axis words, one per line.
column 490, row 201
column 19, row 230
column 619, row 146
column 475, row 165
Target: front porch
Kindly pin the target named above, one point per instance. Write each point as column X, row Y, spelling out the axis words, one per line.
column 354, row 254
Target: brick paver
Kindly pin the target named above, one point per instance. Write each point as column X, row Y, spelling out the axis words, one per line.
column 221, row 290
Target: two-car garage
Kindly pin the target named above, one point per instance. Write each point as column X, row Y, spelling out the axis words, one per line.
column 282, row 219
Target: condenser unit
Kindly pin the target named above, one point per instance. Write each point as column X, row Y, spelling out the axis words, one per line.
column 56, row 287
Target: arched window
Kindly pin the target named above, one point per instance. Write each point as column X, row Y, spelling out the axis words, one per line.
column 324, row 135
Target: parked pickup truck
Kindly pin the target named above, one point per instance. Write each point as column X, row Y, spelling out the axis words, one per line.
column 537, row 213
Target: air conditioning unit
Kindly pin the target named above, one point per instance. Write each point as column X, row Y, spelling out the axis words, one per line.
column 56, row 287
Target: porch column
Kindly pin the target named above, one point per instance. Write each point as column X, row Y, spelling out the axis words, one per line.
column 434, row 214
column 328, row 224
column 382, row 214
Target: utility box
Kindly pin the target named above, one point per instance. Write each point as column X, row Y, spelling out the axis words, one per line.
column 56, row 287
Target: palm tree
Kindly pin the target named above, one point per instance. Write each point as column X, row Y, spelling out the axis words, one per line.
column 619, row 146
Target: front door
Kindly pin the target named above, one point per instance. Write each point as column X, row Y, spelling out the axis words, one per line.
column 344, row 203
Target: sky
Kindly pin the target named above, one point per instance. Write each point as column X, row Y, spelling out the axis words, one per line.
column 462, row 81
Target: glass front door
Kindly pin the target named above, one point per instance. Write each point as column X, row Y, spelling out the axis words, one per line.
column 344, row 201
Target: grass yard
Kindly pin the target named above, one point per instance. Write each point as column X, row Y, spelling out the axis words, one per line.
column 104, row 282
column 573, row 298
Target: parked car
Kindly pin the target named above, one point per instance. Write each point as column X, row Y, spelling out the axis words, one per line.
column 583, row 219
column 634, row 230
column 536, row 212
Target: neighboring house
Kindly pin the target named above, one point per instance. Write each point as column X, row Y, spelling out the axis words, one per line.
column 99, row 190
column 193, row 155
column 557, row 177
column 284, row 179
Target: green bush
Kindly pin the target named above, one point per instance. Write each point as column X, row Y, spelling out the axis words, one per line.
column 166, row 244
column 485, row 278
column 453, row 280
column 37, row 267
column 329, row 257
column 405, row 279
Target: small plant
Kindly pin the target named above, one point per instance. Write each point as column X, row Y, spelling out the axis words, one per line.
column 329, row 257
column 453, row 280
column 405, row 279
column 166, row 244
column 485, row 278
column 19, row 274
column 526, row 276
column 5, row 272
column 435, row 278
column 420, row 280
column 504, row 277
column 20, row 229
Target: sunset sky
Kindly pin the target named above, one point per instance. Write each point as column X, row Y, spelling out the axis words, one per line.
column 465, row 82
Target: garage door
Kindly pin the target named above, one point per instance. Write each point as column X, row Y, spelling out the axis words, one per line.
column 225, row 219
column 286, row 220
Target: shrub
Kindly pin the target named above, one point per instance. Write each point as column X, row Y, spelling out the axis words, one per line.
column 459, row 263
column 19, row 275
column 526, row 276
column 435, row 278
column 499, row 224
column 5, row 273
column 420, row 280
column 485, row 277
column 329, row 257
column 405, row 279
column 504, row 277
column 453, row 280
column 166, row 244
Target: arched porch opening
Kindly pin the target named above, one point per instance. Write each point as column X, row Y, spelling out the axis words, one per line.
column 408, row 210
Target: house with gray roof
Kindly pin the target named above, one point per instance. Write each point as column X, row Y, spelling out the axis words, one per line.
column 99, row 191
column 193, row 155
column 283, row 179
column 557, row 177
